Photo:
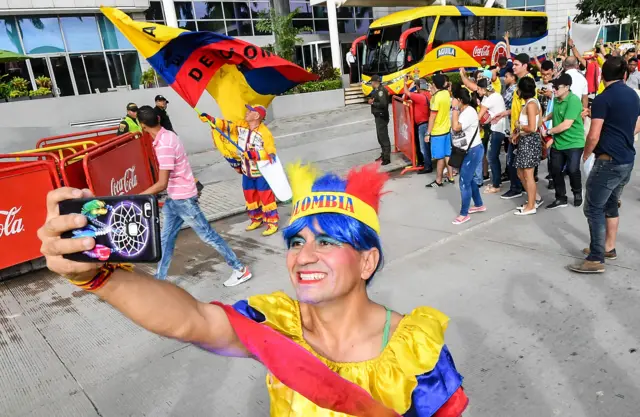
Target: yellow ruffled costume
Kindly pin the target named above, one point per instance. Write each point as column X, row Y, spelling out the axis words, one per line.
column 413, row 349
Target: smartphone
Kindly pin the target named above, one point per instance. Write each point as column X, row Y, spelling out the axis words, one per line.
column 126, row 228
column 558, row 59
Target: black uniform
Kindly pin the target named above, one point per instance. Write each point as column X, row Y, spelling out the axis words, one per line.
column 164, row 119
column 380, row 111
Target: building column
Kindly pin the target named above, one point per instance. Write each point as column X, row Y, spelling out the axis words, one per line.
column 281, row 7
column 170, row 13
column 334, row 35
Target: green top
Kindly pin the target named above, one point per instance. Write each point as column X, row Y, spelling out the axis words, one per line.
column 129, row 125
column 387, row 329
column 568, row 109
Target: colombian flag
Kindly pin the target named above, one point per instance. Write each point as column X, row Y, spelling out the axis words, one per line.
column 234, row 72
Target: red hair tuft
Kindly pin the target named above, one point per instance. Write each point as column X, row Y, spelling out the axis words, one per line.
column 366, row 183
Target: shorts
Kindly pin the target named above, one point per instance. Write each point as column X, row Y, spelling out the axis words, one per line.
column 441, row 146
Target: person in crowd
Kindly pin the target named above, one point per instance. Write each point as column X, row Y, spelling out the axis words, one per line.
column 579, row 85
column 129, row 123
column 353, row 68
column 324, row 350
column 181, row 205
column 379, row 101
column 483, row 64
column 420, row 101
column 520, row 70
column 466, row 136
column 615, row 120
column 439, row 130
column 568, row 142
column 529, row 143
column 492, row 105
column 633, row 77
column 161, row 111
column 545, row 96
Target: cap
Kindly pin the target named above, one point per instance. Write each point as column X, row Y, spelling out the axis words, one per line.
column 439, row 81
column 487, row 74
column 564, row 79
column 132, row 107
column 376, row 78
column 258, row 109
column 161, row 98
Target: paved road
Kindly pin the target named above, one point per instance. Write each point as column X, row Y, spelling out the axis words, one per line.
column 531, row 338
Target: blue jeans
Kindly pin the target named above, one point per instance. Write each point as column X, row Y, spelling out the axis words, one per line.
column 468, row 185
column 177, row 212
column 497, row 139
column 604, row 188
column 425, row 147
column 516, row 185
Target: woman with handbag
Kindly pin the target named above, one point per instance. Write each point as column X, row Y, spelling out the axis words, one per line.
column 529, row 145
column 466, row 154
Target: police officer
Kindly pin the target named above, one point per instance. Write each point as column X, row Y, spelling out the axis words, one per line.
column 130, row 122
column 161, row 111
column 379, row 100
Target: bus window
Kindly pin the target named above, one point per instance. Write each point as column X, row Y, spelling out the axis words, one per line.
column 450, row 29
column 521, row 26
column 475, row 28
column 383, row 54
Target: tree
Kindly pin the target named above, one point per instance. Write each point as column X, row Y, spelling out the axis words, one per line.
column 286, row 35
column 608, row 10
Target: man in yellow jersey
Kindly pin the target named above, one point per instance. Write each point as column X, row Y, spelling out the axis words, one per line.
column 439, row 130
column 130, row 122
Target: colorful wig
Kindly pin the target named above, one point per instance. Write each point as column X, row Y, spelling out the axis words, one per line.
column 326, row 199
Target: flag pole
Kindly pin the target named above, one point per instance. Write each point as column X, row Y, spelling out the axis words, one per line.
column 224, row 135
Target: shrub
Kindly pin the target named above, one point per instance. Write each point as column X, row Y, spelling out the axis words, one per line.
column 42, row 91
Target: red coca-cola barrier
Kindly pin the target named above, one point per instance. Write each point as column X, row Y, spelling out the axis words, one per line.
column 98, row 136
column 122, row 166
column 23, row 210
column 404, row 132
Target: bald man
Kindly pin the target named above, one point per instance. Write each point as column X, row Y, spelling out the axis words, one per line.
column 579, row 85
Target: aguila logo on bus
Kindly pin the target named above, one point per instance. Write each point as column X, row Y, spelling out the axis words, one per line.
column 12, row 224
column 128, row 182
column 446, row 51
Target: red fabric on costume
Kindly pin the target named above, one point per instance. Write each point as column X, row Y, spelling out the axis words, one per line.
column 298, row 369
column 455, row 406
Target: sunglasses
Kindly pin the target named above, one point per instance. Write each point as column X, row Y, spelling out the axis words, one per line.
column 558, row 88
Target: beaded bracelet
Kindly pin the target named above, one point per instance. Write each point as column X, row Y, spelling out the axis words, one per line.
column 101, row 277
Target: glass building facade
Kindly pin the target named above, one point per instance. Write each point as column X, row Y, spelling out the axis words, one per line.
column 86, row 54
column 81, row 54
column 527, row 5
column 239, row 18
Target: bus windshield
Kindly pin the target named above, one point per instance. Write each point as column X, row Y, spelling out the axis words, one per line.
column 383, row 54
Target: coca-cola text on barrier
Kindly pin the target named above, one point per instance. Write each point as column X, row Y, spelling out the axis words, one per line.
column 121, row 170
column 404, row 131
column 23, row 210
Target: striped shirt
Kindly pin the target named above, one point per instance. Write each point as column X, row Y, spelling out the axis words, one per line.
column 172, row 157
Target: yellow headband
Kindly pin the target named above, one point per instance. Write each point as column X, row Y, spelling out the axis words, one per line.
column 339, row 203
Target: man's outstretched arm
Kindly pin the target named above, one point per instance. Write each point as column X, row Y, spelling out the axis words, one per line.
column 158, row 306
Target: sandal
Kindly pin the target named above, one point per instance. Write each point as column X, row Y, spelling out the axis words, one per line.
column 460, row 220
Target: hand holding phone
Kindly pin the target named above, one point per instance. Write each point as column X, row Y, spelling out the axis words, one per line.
column 124, row 228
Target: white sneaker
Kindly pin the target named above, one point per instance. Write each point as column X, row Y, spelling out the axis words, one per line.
column 238, row 277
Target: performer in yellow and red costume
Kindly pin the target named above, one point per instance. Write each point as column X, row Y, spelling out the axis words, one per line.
column 256, row 144
column 331, row 351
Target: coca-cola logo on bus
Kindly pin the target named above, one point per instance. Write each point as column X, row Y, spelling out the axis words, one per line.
column 482, row 51
column 128, row 182
column 11, row 224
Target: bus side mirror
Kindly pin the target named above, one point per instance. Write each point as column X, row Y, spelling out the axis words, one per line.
column 405, row 35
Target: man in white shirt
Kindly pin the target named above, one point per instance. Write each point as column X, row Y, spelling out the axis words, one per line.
column 351, row 60
column 579, row 85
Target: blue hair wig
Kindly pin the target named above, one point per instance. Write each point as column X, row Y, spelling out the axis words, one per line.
column 338, row 226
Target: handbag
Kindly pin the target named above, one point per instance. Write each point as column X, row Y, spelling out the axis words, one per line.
column 458, row 153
